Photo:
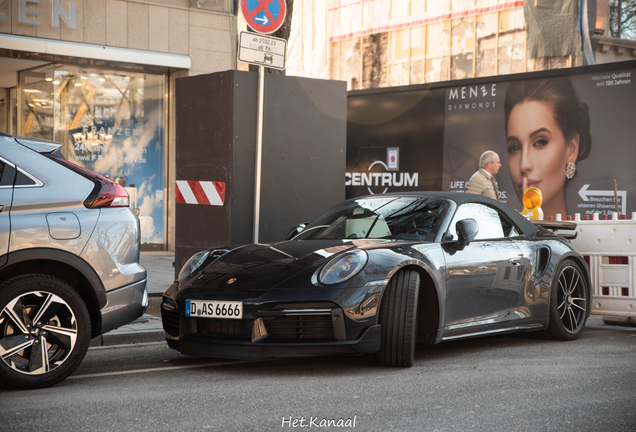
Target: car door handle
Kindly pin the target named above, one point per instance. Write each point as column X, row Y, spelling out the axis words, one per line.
column 515, row 261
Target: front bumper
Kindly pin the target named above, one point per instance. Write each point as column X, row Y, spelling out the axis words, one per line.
column 200, row 345
column 276, row 322
column 309, row 327
column 124, row 305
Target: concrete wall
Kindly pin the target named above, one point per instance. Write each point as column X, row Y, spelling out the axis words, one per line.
column 169, row 26
column 611, row 50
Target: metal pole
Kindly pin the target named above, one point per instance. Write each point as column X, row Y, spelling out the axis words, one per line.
column 259, row 151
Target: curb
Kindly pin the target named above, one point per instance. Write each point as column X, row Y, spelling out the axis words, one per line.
column 128, row 338
column 147, row 328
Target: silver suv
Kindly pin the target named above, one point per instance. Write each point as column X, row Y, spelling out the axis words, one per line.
column 69, row 266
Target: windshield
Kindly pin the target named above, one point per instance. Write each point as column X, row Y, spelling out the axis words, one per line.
column 416, row 219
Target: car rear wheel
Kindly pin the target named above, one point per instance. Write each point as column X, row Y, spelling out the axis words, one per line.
column 44, row 331
column 398, row 313
column 568, row 303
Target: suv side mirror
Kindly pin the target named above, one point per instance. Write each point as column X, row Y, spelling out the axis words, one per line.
column 296, row 230
column 466, row 230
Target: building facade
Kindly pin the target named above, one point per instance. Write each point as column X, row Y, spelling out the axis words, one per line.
column 385, row 43
column 98, row 76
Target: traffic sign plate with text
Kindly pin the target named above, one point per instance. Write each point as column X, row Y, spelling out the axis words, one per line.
column 262, row 50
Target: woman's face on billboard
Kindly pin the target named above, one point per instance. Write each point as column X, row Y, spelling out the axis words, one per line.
column 538, row 153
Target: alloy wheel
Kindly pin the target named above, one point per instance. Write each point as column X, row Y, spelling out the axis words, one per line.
column 38, row 331
column 571, row 299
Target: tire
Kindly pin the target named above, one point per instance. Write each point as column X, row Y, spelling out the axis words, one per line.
column 569, row 303
column 37, row 310
column 398, row 315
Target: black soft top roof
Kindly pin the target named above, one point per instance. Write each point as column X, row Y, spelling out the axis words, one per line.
column 460, row 198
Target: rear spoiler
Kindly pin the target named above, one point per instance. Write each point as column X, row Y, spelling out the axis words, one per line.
column 554, row 226
column 41, row 146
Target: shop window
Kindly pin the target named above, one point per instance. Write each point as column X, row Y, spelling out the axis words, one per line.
column 110, row 122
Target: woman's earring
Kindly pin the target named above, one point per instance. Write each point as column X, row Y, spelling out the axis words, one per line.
column 570, row 169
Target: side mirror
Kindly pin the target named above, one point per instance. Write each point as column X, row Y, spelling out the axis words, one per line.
column 466, row 230
column 296, row 230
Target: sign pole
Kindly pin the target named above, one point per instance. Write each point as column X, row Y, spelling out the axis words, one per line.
column 262, row 17
column 259, row 151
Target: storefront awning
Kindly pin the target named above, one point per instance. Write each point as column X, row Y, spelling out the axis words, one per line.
column 96, row 52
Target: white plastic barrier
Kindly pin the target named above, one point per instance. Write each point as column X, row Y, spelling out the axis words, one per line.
column 609, row 248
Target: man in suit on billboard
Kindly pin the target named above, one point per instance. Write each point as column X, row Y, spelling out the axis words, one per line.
column 483, row 181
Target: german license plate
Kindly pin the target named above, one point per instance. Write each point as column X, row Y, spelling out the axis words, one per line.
column 214, row 309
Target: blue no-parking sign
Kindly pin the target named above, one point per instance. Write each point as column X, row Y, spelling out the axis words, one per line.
column 264, row 16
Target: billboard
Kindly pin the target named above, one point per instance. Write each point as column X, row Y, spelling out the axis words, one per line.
column 569, row 136
column 567, row 132
column 394, row 141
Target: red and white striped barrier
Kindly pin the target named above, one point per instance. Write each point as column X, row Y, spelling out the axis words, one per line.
column 200, row 192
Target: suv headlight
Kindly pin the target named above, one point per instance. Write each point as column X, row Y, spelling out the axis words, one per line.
column 193, row 264
column 343, row 267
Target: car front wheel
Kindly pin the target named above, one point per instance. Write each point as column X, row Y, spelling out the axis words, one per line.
column 568, row 303
column 398, row 313
column 44, row 331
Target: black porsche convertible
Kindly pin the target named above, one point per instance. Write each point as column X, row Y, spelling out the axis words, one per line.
column 379, row 274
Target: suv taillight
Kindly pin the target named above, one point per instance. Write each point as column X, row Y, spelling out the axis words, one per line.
column 106, row 193
column 110, row 194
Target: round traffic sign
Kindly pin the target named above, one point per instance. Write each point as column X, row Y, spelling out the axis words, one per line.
column 264, row 16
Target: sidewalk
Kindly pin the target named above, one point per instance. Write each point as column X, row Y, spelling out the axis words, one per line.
column 148, row 327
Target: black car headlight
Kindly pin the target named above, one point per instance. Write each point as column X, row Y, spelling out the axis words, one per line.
column 193, row 264
column 343, row 267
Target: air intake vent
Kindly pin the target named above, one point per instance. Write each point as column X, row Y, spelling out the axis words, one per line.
column 224, row 328
column 307, row 327
column 543, row 258
column 171, row 322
